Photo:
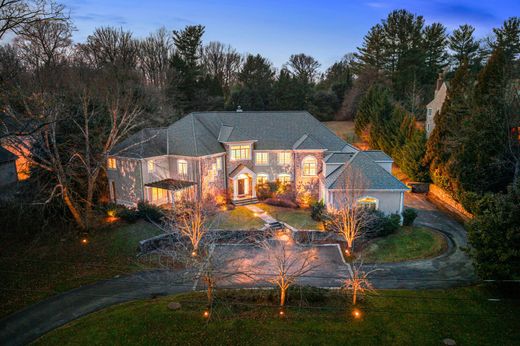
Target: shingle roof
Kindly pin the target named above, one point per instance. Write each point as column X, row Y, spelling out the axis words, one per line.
column 338, row 158
column 6, row 155
column 375, row 177
column 202, row 133
column 378, row 156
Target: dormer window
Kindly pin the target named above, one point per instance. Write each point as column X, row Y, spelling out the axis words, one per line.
column 240, row 152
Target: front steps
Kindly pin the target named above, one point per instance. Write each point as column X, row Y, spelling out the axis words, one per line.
column 245, row 201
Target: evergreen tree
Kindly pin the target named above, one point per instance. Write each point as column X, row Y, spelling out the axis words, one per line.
column 508, row 38
column 434, row 45
column 338, row 78
column 255, row 88
column 494, row 236
column 372, row 53
column 480, row 162
column 290, row 93
column 464, row 47
column 323, row 104
column 186, row 70
column 409, row 157
column 444, row 137
column 375, row 105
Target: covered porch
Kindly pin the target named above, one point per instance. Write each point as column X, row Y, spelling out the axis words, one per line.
column 167, row 192
column 243, row 185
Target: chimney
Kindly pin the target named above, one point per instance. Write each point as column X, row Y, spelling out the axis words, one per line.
column 239, row 109
column 440, row 80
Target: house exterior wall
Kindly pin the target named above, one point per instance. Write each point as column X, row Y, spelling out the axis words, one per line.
column 8, row 173
column 273, row 169
column 434, row 107
column 217, row 186
column 307, row 188
column 389, row 202
column 128, row 181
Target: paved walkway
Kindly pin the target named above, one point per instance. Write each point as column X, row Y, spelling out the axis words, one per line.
column 450, row 269
column 261, row 213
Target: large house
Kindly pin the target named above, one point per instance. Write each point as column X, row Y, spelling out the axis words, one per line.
column 227, row 154
column 435, row 105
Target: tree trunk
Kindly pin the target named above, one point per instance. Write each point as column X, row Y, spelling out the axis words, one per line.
column 282, row 296
column 354, row 296
column 72, row 208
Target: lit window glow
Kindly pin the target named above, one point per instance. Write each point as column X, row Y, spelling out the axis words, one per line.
column 240, row 152
column 111, row 164
column 151, row 166
column 155, row 194
column 182, row 167
column 284, row 178
column 219, row 163
column 367, row 202
column 284, row 158
column 262, row 178
column 262, row 158
column 309, row 166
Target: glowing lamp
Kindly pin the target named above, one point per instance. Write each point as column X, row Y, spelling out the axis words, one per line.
column 84, row 241
column 281, row 313
column 193, row 254
column 356, row 313
column 111, row 213
column 206, row 314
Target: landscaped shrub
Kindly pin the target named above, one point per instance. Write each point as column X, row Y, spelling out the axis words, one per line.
column 317, row 211
column 128, row 214
column 265, row 190
column 409, row 215
column 281, row 202
column 149, row 211
column 390, row 224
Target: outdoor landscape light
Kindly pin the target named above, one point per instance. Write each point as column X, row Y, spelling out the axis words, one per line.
column 356, row 313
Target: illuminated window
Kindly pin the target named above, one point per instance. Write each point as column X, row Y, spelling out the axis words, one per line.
column 262, row 178
column 367, row 202
column 151, row 166
column 240, row 152
column 155, row 194
column 262, row 158
column 219, row 163
column 212, row 173
column 182, row 167
column 111, row 163
column 309, row 166
column 284, row 178
column 284, row 158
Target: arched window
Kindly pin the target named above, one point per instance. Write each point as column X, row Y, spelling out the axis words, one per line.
column 310, row 166
column 368, row 202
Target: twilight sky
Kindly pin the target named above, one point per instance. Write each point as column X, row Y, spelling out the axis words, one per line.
column 325, row 29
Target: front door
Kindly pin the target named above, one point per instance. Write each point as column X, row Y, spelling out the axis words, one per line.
column 241, row 187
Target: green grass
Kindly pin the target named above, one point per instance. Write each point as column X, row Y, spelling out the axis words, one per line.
column 36, row 268
column 299, row 218
column 407, row 243
column 343, row 129
column 237, row 219
column 389, row 318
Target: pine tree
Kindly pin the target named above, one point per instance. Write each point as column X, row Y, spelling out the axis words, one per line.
column 375, row 106
column 434, row 45
column 508, row 38
column 464, row 47
column 409, row 157
column 372, row 54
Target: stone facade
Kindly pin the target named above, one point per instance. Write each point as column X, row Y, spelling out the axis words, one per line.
column 307, row 188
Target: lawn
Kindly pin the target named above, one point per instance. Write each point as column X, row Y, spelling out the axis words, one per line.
column 51, row 263
column 238, row 218
column 397, row 317
column 299, row 218
column 407, row 243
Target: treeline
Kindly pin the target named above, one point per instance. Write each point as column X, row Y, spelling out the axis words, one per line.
column 474, row 150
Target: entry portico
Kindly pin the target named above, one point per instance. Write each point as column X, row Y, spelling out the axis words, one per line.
column 243, row 182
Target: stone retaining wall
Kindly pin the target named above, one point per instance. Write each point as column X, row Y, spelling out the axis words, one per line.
column 443, row 199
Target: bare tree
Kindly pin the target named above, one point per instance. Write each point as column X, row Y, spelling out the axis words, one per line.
column 358, row 283
column 347, row 218
column 304, row 67
column 154, row 57
column 223, row 63
column 15, row 14
column 287, row 263
column 44, row 43
column 74, row 159
column 109, row 46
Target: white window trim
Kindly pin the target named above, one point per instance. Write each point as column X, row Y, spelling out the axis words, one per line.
column 315, row 166
column 150, row 163
column 266, row 163
column 372, row 197
column 263, row 175
column 283, row 154
column 179, row 162
column 248, row 157
column 284, row 175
